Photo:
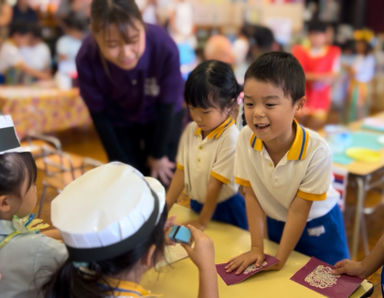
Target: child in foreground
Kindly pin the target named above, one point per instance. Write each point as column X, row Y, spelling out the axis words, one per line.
column 27, row 258
column 285, row 169
column 112, row 222
column 205, row 158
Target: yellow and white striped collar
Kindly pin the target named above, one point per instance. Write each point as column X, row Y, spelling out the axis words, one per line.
column 218, row 131
column 124, row 288
column 298, row 149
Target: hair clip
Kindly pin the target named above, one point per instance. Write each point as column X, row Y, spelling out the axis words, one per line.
column 240, row 98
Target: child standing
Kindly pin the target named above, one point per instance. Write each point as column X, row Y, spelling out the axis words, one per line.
column 112, row 221
column 206, row 151
column 285, row 169
column 361, row 72
column 321, row 64
column 27, row 257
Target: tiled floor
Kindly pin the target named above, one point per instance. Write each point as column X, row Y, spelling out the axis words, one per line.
column 84, row 141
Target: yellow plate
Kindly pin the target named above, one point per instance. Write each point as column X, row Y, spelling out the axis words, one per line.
column 363, row 154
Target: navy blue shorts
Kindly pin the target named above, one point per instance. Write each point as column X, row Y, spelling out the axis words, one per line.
column 323, row 237
column 231, row 211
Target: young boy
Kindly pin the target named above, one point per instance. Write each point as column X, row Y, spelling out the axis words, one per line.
column 285, row 169
column 321, row 64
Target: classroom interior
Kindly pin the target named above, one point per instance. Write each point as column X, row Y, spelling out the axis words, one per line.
column 287, row 20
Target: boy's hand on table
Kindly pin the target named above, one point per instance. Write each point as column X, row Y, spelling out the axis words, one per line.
column 275, row 267
column 242, row 261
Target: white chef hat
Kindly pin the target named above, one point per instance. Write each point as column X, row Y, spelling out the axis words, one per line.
column 9, row 142
column 107, row 211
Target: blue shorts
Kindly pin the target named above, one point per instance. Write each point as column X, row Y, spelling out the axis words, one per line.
column 231, row 211
column 323, row 237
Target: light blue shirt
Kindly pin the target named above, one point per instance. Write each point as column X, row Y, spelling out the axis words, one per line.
column 27, row 261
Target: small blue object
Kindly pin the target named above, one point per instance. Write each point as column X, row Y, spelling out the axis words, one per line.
column 180, row 234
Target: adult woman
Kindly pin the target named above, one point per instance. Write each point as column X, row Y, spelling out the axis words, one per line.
column 129, row 76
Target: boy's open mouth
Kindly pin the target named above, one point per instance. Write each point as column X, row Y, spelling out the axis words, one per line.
column 262, row 126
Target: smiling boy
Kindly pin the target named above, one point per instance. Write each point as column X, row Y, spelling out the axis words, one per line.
column 285, row 169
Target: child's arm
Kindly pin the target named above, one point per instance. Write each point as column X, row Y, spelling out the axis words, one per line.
column 38, row 74
column 256, row 219
column 296, row 221
column 203, row 255
column 366, row 267
column 211, row 197
column 176, row 187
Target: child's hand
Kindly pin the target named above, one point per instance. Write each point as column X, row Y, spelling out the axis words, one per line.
column 275, row 267
column 202, row 253
column 244, row 260
column 349, row 267
column 196, row 223
column 167, row 228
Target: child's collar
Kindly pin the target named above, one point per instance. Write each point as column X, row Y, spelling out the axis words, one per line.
column 218, row 131
column 18, row 226
column 128, row 288
column 298, row 149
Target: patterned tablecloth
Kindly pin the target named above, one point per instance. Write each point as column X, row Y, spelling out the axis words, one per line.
column 43, row 110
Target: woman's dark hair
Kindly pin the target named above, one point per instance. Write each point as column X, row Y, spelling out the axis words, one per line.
column 15, row 168
column 280, row 69
column 212, row 84
column 72, row 282
column 122, row 13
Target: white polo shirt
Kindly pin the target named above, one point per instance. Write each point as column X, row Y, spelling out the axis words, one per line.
column 212, row 156
column 304, row 171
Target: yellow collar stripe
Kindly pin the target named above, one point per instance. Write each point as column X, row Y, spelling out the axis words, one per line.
column 218, row 131
column 298, row 148
column 256, row 143
column 129, row 289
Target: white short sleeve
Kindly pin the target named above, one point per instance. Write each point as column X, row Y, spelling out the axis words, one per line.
column 318, row 175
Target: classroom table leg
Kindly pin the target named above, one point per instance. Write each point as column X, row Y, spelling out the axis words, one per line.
column 361, row 185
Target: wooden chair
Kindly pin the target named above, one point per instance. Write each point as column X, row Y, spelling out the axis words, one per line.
column 61, row 169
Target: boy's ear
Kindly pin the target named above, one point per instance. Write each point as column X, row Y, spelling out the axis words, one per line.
column 148, row 257
column 4, row 204
column 300, row 103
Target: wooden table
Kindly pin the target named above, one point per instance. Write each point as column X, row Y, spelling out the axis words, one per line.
column 367, row 176
column 180, row 280
column 38, row 110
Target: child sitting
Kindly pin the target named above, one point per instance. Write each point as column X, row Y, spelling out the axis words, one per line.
column 112, row 221
column 27, row 257
column 205, row 157
column 12, row 64
column 285, row 169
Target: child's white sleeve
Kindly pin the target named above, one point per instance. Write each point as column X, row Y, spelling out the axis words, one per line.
column 318, row 176
column 223, row 166
column 242, row 159
column 183, row 146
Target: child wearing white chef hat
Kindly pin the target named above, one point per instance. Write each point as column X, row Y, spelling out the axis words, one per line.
column 27, row 257
column 112, row 221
